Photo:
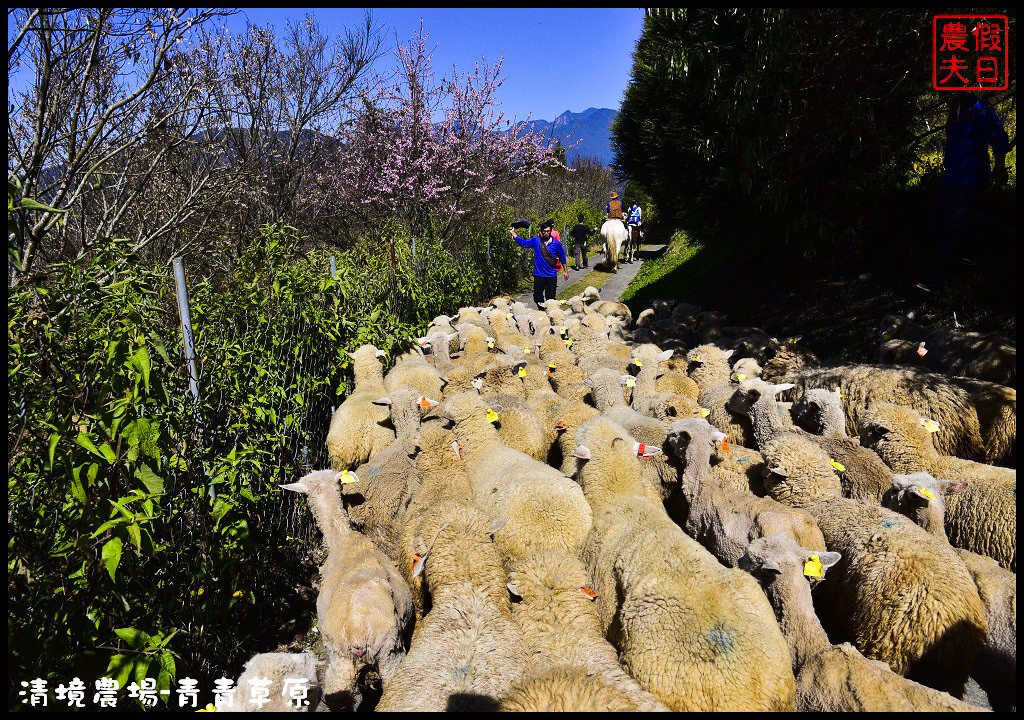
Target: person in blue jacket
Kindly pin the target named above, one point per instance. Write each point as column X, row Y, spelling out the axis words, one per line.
column 548, row 259
column 973, row 126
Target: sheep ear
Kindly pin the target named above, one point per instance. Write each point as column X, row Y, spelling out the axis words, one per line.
column 513, row 589
column 588, row 382
column 382, row 401
column 496, row 407
column 902, row 482
column 795, row 339
column 497, row 525
column 582, row 452
column 729, row 353
column 299, row 487
column 772, row 565
column 665, row 355
column 783, row 387
column 828, row 559
column 452, row 336
column 780, row 471
column 382, row 353
column 641, row 450
column 478, row 383
column 417, row 568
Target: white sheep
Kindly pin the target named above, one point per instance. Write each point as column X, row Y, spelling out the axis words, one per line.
column 364, row 605
column 829, row 678
column 359, row 427
column 902, row 596
column 697, row 635
column 275, row 682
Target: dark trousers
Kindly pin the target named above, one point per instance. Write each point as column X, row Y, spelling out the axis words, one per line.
column 581, row 248
column 544, row 288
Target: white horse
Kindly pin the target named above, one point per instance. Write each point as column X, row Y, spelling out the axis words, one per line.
column 614, row 234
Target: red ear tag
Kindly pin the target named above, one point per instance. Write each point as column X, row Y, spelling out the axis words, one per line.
column 591, row 595
column 640, row 450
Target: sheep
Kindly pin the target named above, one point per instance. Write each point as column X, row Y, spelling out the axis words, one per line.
column 279, row 674
column 358, row 428
column 986, row 357
column 543, row 508
column 649, row 399
column 709, row 368
column 919, row 496
column 416, row 373
column 364, row 605
column 721, row 518
column 467, row 651
column 610, row 308
column 658, row 470
column 981, row 506
column 863, row 474
column 902, row 596
column 932, row 395
column 996, row 406
column 563, row 634
column 695, row 634
column 383, row 486
column 780, row 361
column 829, row 678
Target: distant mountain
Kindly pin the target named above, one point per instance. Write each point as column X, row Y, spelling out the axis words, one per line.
column 589, row 130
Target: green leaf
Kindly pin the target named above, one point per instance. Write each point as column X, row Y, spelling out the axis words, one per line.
column 84, row 440
column 112, row 556
column 153, row 482
column 54, row 438
column 136, row 639
column 135, row 536
column 108, row 453
column 167, row 663
column 142, row 668
column 77, row 489
column 119, row 668
column 30, row 204
column 107, row 525
column 140, row 360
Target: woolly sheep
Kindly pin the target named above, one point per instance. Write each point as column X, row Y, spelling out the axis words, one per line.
column 722, row 519
column 709, row 368
column 563, row 634
column 544, row 509
column 986, row 357
column 467, row 651
column 932, row 395
column 829, row 678
column 919, row 496
column 358, row 428
column 862, row 472
column 364, row 605
column 415, row 373
column 697, row 635
column 981, row 506
column 277, row 674
column 996, row 406
column 902, row 596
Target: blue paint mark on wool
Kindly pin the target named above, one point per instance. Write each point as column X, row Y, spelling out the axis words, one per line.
column 722, row 638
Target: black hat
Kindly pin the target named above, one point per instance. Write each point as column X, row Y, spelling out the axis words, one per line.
column 521, row 224
column 547, row 224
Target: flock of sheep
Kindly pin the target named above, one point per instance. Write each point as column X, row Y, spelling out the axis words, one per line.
column 567, row 510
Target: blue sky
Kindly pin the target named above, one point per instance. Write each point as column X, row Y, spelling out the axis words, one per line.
column 554, row 59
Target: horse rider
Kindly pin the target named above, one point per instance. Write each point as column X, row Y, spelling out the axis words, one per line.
column 633, row 220
column 613, row 210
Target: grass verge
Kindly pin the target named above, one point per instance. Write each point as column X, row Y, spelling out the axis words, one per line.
column 597, row 278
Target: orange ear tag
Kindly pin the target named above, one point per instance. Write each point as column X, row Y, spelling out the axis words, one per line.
column 725, row 444
column 457, row 447
column 424, row 403
column 415, row 559
column 922, row 350
column 590, row 594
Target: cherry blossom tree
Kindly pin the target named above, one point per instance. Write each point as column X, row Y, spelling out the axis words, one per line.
column 396, row 161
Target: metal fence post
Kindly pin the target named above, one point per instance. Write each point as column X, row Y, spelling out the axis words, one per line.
column 187, row 343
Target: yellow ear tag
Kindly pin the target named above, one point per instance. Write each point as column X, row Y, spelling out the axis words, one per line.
column 838, row 466
column 552, row 366
column 639, row 363
column 348, row 478
column 887, row 336
column 492, row 417
column 630, row 381
column 509, row 316
column 741, row 377
column 926, row 492
column 704, row 412
column 568, row 342
column 527, row 351
column 522, row 372
column 930, row 425
column 698, row 358
column 814, row 568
